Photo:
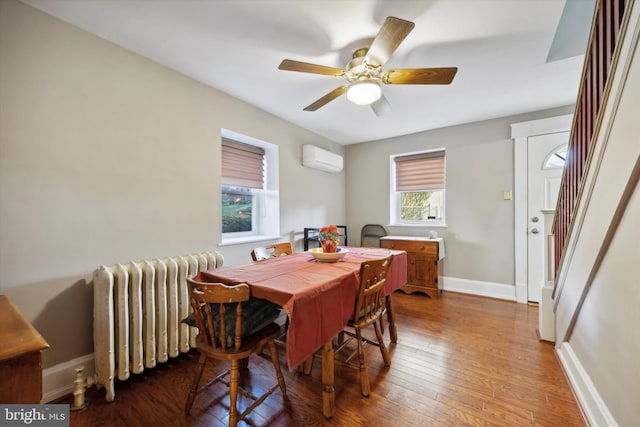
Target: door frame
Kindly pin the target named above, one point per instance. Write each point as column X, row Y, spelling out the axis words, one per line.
column 520, row 133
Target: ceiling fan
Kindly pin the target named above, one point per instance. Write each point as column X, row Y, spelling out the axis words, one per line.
column 364, row 72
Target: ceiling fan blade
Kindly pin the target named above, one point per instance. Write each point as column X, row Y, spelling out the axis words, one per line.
column 327, row 98
column 305, row 67
column 419, row 76
column 393, row 32
column 381, row 106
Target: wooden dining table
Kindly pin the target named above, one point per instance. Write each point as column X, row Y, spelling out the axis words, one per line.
column 318, row 297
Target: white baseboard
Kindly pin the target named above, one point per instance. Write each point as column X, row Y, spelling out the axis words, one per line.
column 546, row 316
column 476, row 287
column 57, row 381
column 589, row 399
column 522, row 295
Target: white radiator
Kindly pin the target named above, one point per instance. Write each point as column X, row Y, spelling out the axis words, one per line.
column 137, row 310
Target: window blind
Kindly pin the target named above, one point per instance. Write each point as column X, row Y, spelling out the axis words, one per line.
column 420, row 172
column 242, row 164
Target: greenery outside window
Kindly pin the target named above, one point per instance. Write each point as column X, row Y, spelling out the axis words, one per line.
column 418, row 195
column 238, row 209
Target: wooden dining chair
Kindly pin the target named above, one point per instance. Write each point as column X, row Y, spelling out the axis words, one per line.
column 368, row 310
column 271, row 251
column 223, row 315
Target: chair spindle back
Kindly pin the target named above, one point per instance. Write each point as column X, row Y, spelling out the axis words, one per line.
column 370, row 300
column 271, row 251
column 202, row 295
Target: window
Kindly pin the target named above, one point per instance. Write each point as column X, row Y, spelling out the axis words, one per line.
column 418, row 191
column 556, row 159
column 242, row 182
column 250, row 201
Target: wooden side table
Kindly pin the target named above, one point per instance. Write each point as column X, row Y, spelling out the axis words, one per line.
column 20, row 356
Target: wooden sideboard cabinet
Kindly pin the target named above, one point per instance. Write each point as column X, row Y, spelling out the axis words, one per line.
column 20, row 356
column 424, row 264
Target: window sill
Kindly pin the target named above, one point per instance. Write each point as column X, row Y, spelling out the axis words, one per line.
column 419, row 225
column 247, row 239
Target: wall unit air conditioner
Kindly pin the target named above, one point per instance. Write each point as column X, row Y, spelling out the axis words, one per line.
column 317, row 158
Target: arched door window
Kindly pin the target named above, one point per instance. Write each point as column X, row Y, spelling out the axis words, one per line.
column 556, row 159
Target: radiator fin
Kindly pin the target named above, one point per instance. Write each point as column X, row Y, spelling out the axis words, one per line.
column 149, row 314
column 122, row 321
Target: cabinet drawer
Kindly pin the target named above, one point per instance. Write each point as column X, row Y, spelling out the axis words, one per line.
column 430, row 248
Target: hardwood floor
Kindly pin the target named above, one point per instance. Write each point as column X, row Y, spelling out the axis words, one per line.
column 459, row 360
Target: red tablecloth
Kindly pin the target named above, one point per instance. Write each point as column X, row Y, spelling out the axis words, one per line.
column 319, row 298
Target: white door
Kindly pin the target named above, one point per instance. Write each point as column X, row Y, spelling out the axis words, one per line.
column 545, row 162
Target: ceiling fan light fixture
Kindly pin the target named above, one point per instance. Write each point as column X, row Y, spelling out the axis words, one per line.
column 364, row 74
column 364, row 92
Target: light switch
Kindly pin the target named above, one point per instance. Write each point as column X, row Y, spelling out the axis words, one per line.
column 506, row 195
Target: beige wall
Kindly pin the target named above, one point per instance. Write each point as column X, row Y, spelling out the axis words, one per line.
column 108, row 157
column 479, row 160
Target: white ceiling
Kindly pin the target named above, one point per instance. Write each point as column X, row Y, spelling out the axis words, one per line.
column 499, row 46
